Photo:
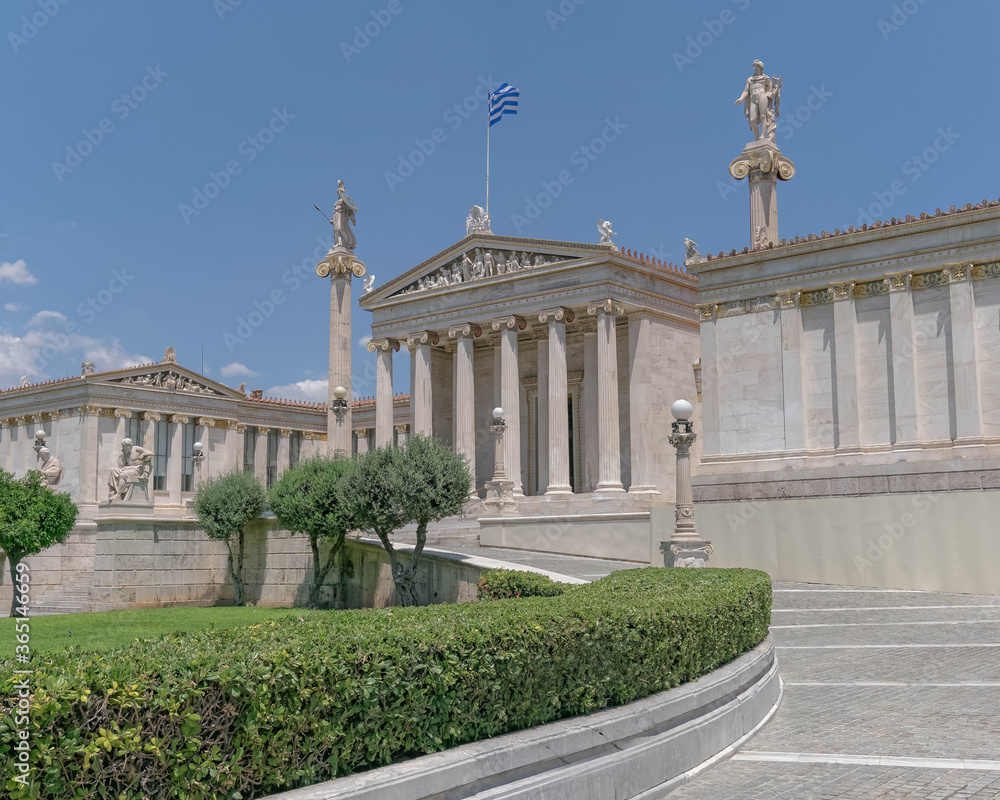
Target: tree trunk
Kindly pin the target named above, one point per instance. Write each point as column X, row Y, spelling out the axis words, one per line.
column 320, row 571
column 12, row 562
column 237, row 573
column 404, row 576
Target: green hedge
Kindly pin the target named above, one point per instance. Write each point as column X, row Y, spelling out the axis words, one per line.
column 503, row 584
column 247, row 712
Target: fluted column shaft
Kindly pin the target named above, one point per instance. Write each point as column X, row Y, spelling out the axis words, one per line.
column 609, row 474
column 465, row 395
column 341, row 344
column 510, row 397
column 904, row 360
column 847, row 424
column 421, row 398
column 558, row 398
column 962, row 305
column 383, row 389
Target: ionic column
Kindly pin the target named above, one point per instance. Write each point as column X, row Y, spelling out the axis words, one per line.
column 121, row 414
column 541, row 425
column 465, row 392
column 558, row 417
column 284, row 449
column 904, row 359
column 510, row 396
column 260, row 454
column 589, row 403
column 93, row 484
column 642, row 367
column 847, row 426
column 962, row 305
column 420, row 380
column 340, row 265
column 174, row 466
column 203, row 426
column 402, row 434
column 609, row 473
column 710, row 408
column 363, row 434
column 383, row 389
column 792, row 386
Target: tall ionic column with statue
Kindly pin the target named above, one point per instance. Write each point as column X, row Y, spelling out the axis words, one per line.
column 341, row 265
column 761, row 161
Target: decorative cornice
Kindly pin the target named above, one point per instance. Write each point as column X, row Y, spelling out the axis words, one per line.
column 421, row 337
column 608, row 306
column 383, row 345
column 511, row 322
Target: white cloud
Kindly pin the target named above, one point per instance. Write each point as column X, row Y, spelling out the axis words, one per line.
column 363, row 341
column 14, row 308
column 17, row 273
column 44, row 317
column 236, row 368
column 43, row 354
column 311, row 391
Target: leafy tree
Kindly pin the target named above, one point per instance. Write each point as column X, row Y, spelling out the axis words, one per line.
column 225, row 505
column 421, row 482
column 32, row 518
column 306, row 499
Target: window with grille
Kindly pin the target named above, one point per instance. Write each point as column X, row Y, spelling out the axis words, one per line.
column 161, row 450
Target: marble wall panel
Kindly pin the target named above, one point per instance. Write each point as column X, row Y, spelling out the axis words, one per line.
column 987, row 319
column 874, row 358
column 935, row 381
column 818, row 380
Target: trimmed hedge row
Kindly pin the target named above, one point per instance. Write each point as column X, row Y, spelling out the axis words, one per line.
column 247, row 712
column 503, row 584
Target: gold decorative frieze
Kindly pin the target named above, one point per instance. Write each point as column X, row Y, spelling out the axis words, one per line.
column 928, row 280
column 957, row 272
column 707, row 311
column 871, row 289
column 842, row 290
column 987, row 271
column 815, row 297
column 898, row 281
column 751, row 305
column 785, row 300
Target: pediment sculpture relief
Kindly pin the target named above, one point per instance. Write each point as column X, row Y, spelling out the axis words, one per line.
column 482, row 263
column 168, row 380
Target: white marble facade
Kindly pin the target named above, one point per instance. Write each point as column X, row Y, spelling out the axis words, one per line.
column 870, row 347
column 584, row 346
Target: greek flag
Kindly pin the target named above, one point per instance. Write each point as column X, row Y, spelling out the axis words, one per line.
column 503, row 101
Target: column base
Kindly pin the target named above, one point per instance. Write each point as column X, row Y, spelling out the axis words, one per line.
column 499, row 498
column 609, row 487
column 559, row 490
column 686, row 553
column 643, row 490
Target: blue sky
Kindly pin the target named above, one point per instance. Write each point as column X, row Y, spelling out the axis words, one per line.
column 123, row 117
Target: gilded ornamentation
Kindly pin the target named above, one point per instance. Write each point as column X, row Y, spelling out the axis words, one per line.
column 383, row 344
column 608, row 306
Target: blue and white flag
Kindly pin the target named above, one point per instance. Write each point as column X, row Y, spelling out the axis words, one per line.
column 503, row 101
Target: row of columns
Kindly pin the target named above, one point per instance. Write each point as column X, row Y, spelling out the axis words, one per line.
column 554, row 394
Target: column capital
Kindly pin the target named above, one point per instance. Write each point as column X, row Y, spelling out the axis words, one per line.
column 179, row 418
column 956, row 273
column 92, row 411
column 898, row 281
column 422, row 337
column 841, row 290
column 362, row 431
column 510, row 322
column 151, row 416
column 403, row 428
column 239, row 427
column 341, row 265
column 284, row 432
column 558, row 314
column 123, row 412
column 262, row 430
column 608, row 306
column 788, row 299
column 464, row 329
column 383, row 344
column 707, row 311
column 207, row 421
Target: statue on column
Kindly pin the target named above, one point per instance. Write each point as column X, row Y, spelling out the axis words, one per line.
column 134, row 466
column 761, row 100
column 344, row 211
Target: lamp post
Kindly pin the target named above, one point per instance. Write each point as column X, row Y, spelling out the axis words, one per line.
column 39, row 440
column 499, row 490
column 339, row 411
column 198, row 454
column 686, row 547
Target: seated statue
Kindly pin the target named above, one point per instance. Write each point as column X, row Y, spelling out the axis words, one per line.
column 134, row 466
column 52, row 471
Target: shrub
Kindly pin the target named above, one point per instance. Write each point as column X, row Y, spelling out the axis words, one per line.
column 243, row 713
column 501, row 584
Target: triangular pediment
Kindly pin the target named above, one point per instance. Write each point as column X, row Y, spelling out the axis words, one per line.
column 170, row 376
column 479, row 259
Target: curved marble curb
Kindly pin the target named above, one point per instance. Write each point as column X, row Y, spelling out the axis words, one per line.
column 640, row 750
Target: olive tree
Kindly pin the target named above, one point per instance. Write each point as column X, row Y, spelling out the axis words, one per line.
column 421, row 482
column 307, row 499
column 32, row 518
column 225, row 505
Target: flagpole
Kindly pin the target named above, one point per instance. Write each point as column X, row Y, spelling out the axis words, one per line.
column 488, row 126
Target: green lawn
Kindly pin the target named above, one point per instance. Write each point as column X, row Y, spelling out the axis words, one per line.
column 109, row 629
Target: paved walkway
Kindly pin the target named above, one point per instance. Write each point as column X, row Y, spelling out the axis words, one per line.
column 888, row 695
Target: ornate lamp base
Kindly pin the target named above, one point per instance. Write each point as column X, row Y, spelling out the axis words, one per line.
column 692, row 553
column 499, row 497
